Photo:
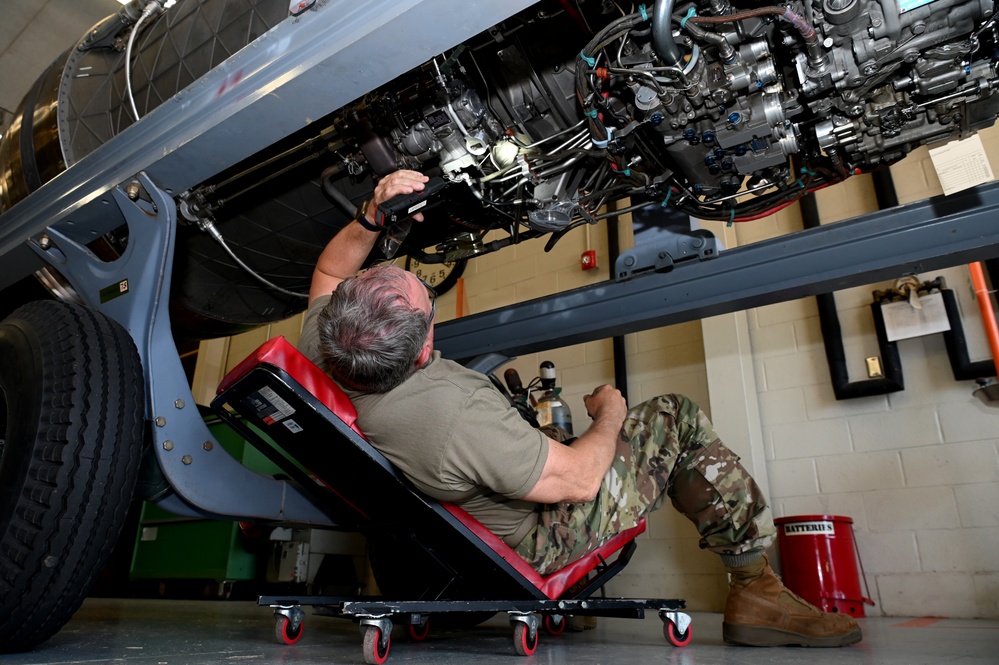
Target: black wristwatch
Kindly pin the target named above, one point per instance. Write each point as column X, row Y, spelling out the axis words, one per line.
column 361, row 219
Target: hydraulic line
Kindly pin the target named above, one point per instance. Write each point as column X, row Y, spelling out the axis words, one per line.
column 146, row 13
column 662, row 33
column 152, row 7
column 816, row 54
column 213, row 232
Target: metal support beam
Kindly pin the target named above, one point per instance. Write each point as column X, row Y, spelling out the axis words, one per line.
column 928, row 235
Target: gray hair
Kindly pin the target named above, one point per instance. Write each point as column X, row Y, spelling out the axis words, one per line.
column 369, row 333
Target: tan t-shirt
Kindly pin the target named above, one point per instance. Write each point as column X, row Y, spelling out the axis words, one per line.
column 455, row 436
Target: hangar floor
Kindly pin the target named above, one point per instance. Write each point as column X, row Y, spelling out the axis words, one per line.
column 167, row 632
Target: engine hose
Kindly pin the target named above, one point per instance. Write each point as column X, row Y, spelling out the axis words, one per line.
column 213, row 232
column 590, row 53
column 662, row 33
column 146, row 13
column 816, row 55
column 588, row 56
column 725, row 50
column 346, row 205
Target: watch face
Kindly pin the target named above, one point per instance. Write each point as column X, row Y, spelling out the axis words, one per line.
column 441, row 276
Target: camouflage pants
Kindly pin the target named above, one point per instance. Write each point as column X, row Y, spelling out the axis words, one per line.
column 667, row 447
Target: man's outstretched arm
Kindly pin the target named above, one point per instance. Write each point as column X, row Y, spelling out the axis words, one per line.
column 574, row 472
column 345, row 253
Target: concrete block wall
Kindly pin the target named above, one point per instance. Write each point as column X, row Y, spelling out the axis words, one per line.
column 917, row 470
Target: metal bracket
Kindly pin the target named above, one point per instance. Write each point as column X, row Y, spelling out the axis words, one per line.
column 681, row 620
column 663, row 237
column 383, row 624
column 530, row 620
column 293, row 613
column 134, row 291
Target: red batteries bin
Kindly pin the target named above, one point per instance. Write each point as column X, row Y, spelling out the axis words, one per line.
column 819, row 560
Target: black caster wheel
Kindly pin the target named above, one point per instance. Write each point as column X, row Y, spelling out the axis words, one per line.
column 554, row 624
column 675, row 638
column 283, row 631
column 525, row 641
column 419, row 632
column 376, row 649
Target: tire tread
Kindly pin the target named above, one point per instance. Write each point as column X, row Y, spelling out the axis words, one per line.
column 82, row 472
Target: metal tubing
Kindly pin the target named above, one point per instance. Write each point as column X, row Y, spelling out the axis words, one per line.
column 662, row 32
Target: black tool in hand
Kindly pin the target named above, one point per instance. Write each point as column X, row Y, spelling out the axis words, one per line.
column 400, row 207
column 513, row 382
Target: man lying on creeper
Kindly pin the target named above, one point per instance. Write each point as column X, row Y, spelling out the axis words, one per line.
column 457, row 438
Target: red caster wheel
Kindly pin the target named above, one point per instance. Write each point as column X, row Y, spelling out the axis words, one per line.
column 284, row 632
column 525, row 641
column 675, row 638
column 419, row 632
column 554, row 624
column 376, row 647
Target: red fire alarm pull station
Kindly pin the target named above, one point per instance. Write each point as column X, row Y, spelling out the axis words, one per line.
column 588, row 260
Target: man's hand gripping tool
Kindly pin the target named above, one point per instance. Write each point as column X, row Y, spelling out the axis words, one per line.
column 400, row 207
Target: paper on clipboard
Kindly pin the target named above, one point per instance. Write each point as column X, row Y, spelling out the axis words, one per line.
column 962, row 164
column 903, row 321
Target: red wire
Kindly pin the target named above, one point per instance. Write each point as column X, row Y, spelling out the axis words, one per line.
column 765, row 213
column 777, row 209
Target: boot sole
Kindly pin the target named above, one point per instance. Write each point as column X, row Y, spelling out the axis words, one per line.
column 762, row 636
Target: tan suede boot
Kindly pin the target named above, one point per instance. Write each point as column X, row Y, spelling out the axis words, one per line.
column 763, row 612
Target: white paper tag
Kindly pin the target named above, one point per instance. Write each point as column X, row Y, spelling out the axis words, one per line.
column 903, row 321
column 962, row 164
